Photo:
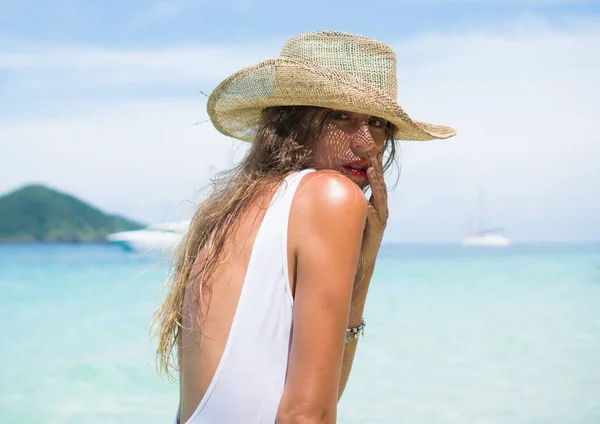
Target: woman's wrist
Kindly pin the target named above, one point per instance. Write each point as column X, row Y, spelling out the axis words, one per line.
column 363, row 277
column 353, row 333
column 359, row 297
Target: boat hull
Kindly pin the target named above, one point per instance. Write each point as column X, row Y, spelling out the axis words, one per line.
column 486, row 240
column 143, row 241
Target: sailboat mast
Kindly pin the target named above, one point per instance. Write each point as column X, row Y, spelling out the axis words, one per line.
column 481, row 210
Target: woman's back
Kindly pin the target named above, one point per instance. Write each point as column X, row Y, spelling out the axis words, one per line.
column 237, row 367
column 328, row 103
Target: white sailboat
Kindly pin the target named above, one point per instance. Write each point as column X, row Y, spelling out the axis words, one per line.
column 158, row 238
column 485, row 237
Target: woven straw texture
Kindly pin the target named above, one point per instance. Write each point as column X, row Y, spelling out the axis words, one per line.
column 329, row 69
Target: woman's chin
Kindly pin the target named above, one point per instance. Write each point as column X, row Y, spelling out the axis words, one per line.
column 361, row 182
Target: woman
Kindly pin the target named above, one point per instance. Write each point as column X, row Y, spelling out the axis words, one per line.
column 269, row 285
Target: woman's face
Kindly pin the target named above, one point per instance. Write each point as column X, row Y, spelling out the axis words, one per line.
column 347, row 143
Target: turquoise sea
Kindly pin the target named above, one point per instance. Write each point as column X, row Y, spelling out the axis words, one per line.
column 453, row 335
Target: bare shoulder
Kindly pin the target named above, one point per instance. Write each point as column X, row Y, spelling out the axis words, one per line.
column 329, row 192
column 326, row 205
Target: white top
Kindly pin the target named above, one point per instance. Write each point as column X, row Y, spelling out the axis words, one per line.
column 249, row 380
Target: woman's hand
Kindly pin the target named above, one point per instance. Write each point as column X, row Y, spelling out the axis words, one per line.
column 377, row 212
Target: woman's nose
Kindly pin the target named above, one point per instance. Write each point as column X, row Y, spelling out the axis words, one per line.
column 362, row 141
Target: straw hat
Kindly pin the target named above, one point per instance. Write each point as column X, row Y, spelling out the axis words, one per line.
column 329, row 69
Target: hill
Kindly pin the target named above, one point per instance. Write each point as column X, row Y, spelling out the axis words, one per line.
column 36, row 213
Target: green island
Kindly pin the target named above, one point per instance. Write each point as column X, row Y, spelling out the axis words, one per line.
column 38, row 214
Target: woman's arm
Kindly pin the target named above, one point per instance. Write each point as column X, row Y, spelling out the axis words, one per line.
column 326, row 228
column 377, row 216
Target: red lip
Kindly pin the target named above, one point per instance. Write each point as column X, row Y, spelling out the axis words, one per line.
column 362, row 163
column 360, row 173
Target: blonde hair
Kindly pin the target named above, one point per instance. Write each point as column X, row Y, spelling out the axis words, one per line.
column 283, row 144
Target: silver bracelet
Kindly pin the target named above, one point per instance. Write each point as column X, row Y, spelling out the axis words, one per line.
column 353, row 333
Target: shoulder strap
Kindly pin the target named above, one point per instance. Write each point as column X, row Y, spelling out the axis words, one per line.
column 278, row 220
column 279, row 209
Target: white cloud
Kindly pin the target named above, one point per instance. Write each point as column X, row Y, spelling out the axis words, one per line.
column 525, row 109
column 143, row 159
column 57, row 67
column 523, row 102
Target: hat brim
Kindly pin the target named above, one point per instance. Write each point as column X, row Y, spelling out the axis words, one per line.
column 236, row 104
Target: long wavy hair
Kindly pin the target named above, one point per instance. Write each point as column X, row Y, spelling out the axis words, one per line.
column 283, row 144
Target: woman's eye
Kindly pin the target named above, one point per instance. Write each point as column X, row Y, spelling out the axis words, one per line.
column 340, row 115
column 378, row 123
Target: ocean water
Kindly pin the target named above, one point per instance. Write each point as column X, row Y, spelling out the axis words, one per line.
column 453, row 335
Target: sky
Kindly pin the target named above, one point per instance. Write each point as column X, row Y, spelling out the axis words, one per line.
column 103, row 100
